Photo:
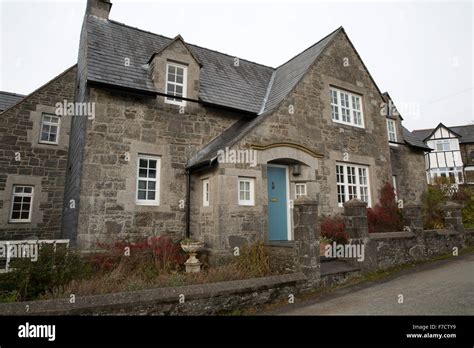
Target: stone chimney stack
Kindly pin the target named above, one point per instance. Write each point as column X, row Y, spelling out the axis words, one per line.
column 99, row 8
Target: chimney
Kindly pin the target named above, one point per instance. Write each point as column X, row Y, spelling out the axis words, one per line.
column 99, row 8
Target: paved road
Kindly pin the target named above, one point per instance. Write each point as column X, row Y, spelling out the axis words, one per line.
column 442, row 288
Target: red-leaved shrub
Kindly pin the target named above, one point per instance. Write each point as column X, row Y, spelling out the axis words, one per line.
column 385, row 216
column 333, row 229
column 161, row 251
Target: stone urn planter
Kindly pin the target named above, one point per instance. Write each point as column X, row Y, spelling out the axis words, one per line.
column 191, row 247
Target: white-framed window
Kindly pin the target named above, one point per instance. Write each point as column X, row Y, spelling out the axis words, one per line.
column 391, row 130
column 454, row 174
column 205, row 192
column 394, row 185
column 49, row 130
column 22, row 203
column 346, row 108
column 148, row 180
column 352, row 182
column 443, row 145
column 176, row 76
column 246, row 190
column 300, row 190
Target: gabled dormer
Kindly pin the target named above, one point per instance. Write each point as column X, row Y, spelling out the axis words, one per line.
column 393, row 119
column 175, row 72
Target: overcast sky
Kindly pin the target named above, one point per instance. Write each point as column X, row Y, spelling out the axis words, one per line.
column 420, row 52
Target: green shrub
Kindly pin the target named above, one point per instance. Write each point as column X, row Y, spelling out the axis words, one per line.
column 465, row 196
column 433, row 200
column 28, row 279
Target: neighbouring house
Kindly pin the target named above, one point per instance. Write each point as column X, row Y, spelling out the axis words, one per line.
column 8, row 99
column 185, row 140
column 452, row 154
column 34, row 142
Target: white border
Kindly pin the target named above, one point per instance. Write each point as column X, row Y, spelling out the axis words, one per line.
column 157, row 181
column 32, row 195
column 205, row 202
column 250, row 202
column 182, row 102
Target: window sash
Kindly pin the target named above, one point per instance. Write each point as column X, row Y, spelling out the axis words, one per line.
column 300, row 190
column 443, row 145
column 22, row 203
column 148, row 180
column 50, row 125
column 246, row 191
column 205, row 193
column 176, row 76
column 392, row 134
column 346, row 108
column 352, row 181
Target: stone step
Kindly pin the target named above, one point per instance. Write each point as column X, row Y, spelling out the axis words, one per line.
column 335, row 272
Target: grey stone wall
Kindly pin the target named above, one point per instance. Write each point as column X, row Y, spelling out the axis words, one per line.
column 41, row 165
column 408, row 165
column 390, row 249
column 203, row 299
column 128, row 125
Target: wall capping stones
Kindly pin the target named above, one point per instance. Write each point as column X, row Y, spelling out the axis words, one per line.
column 161, row 300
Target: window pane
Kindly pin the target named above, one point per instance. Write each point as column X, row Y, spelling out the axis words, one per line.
column 141, row 194
column 152, row 173
column 143, row 163
column 142, row 185
column 15, row 215
column 179, row 79
column 142, row 173
column 152, row 164
column 151, row 185
column 171, row 69
column 151, row 195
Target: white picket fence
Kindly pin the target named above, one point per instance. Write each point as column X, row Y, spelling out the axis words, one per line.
column 10, row 249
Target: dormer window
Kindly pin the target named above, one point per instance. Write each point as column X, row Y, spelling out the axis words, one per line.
column 176, row 83
column 392, row 133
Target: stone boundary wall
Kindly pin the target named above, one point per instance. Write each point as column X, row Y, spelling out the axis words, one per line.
column 202, row 299
column 390, row 249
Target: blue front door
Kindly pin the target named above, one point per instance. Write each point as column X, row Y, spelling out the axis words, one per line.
column 277, row 204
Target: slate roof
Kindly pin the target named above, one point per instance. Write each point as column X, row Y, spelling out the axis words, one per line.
column 466, row 133
column 109, row 43
column 413, row 140
column 250, row 87
column 8, row 99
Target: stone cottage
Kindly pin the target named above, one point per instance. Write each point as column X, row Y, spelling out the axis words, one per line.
column 189, row 141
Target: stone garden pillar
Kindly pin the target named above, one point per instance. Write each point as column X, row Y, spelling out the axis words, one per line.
column 355, row 219
column 453, row 217
column 306, row 232
column 413, row 218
